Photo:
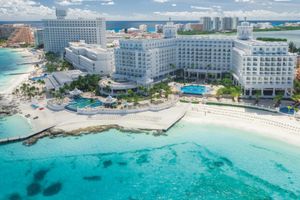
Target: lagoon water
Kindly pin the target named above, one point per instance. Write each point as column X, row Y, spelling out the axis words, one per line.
column 191, row 162
column 9, row 67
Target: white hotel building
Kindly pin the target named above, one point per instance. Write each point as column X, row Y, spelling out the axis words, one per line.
column 264, row 66
column 91, row 58
column 59, row 32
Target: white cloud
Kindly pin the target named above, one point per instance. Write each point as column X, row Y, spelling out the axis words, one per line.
column 161, row 1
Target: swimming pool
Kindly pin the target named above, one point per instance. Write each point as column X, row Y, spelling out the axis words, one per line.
column 80, row 102
column 39, row 77
column 286, row 110
column 194, row 89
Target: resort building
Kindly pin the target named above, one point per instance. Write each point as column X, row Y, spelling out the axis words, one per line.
column 145, row 61
column 204, row 57
column 90, row 58
column 266, row 68
column 59, row 32
column 57, row 80
column 38, row 37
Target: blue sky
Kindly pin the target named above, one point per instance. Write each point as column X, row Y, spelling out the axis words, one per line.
column 151, row 9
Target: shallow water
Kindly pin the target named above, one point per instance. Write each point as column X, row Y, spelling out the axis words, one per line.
column 9, row 69
column 12, row 126
column 191, row 162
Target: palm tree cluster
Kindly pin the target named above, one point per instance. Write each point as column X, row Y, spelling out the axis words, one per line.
column 88, row 83
column 54, row 63
column 28, row 91
column 233, row 91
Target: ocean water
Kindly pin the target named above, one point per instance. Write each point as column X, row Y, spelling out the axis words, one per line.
column 291, row 36
column 190, row 162
column 9, row 67
column 12, row 126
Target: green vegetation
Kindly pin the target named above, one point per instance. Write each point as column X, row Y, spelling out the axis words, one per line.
column 88, row 83
column 267, row 39
column 29, row 90
column 159, row 90
column 279, row 28
column 3, row 42
column 293, row 48
column 54, row 63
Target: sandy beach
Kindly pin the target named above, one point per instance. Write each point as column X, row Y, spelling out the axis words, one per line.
column 269, row 125
column 17, row 80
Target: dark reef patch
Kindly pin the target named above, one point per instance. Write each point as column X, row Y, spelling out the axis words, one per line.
column 52, row 189
column 33, row 189
column 15, row 196
column 92, row 178
column 40, row 175
column 142, row 159
column 107, row 163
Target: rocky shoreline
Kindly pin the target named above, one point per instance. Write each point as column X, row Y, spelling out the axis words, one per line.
column 55, row 132
column 8, row 107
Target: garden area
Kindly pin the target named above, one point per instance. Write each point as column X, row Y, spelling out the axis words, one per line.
column 55, row 63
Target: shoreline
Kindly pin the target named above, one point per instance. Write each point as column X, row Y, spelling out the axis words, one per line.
column 269, row 125
column 17, row 80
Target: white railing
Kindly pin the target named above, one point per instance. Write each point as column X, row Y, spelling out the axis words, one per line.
column 55, row 106
column 152, row 108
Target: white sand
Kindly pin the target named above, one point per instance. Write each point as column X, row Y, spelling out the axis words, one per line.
column 17, row 80
column 272, row 126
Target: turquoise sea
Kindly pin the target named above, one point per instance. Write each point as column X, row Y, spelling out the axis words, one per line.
column 190, row 162
column 9, row 68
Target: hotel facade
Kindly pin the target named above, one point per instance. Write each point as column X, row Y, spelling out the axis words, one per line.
column 91, row 58
column 59, row 32
column 266, row 67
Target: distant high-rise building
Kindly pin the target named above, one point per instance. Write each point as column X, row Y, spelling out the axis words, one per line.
column 159, row 28
column 207, row 23
column 180, row 27
column 143, row 28
column 216, row 24
column 59, row 32
column 194, row 27
column 38, row 37
column 226, row 23
column 235, row 22
column 245, row 31
column 170, row 30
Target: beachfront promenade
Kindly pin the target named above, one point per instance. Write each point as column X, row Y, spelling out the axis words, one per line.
column 25, row 137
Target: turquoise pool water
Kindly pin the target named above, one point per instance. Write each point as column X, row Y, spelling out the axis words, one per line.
column 9, row 68
column 194, row 89
column 14, row 126
column 287, row 111
column 190, row 162
column 81, row 102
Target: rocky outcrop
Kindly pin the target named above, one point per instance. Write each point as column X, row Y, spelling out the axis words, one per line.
column 7, row 107
column 56, row 132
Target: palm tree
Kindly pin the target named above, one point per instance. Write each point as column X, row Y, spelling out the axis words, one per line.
column 296, row 99
column 206, row 74
column 278, row 99
column 257, row 96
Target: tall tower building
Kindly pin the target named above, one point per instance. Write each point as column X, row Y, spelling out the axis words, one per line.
column 59, row 32
column 245, row 31
column 227, row 23
column 235, row 23
column 216, row 24
column 207, row 23
column 170, row 30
